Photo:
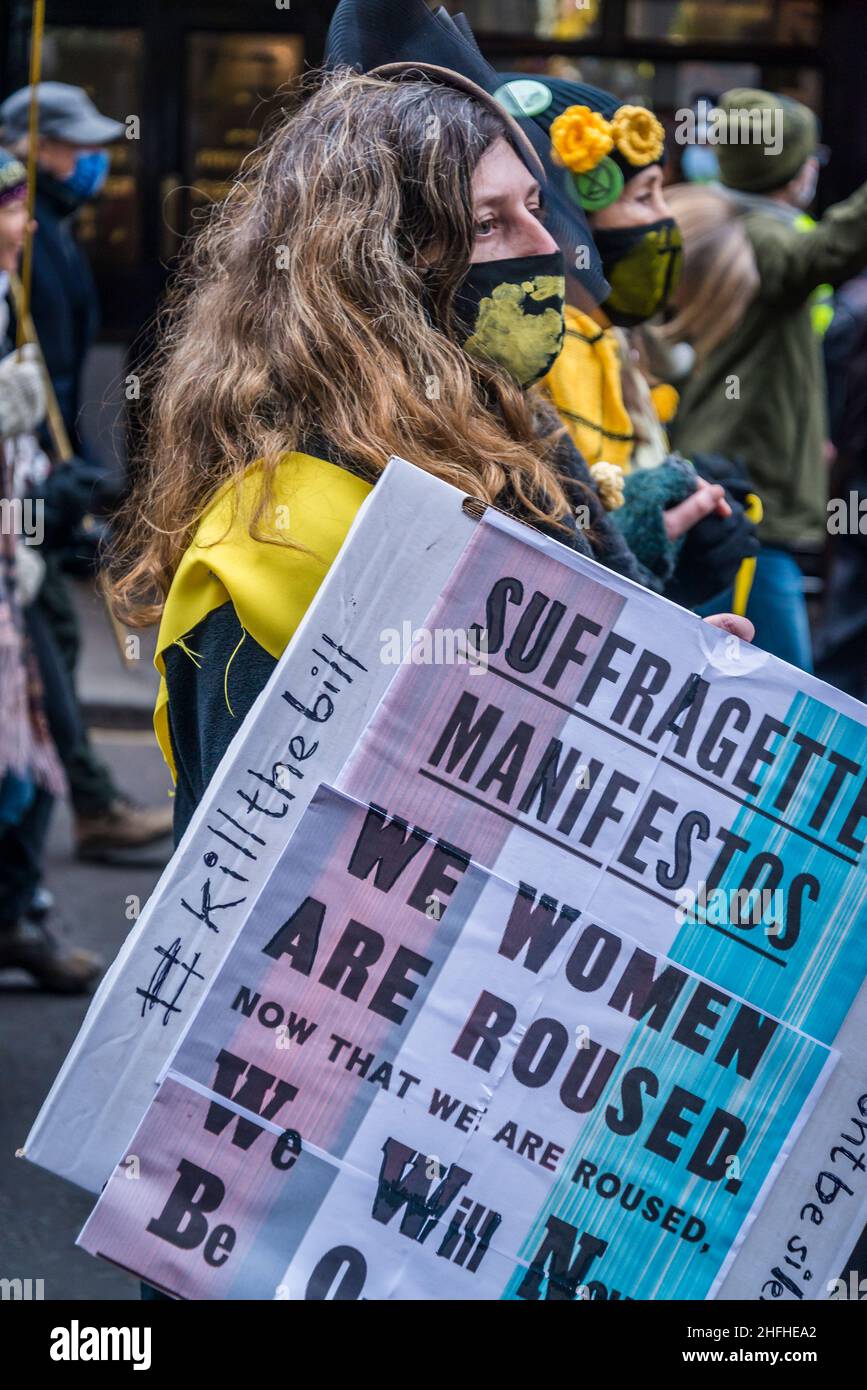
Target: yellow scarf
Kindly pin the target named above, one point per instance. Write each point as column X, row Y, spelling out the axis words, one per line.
column 584, row 385
column 270, row 585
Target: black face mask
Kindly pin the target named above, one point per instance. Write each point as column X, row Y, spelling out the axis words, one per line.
column 643, row 266
column 64, row 198
column 511, row 312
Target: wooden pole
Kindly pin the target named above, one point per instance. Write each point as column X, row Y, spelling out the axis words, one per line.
column 32, row 149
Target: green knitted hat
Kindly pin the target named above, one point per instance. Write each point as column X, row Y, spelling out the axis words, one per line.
column 606, row 142
column 763, row 146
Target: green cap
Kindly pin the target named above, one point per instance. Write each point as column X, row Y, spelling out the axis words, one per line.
column 764, row 140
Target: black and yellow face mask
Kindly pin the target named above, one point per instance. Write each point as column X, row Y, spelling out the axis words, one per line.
column 643, row 266
column 511, row 312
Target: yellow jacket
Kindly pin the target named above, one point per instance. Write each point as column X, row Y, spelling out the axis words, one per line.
column 586, row 386
column 270, row 585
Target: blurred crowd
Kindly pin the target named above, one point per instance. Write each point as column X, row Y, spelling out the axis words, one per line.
column 51, row 488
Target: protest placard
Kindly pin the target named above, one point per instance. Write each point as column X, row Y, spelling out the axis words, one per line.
column 784, row 813
column 709, row 792
column 413, row 1079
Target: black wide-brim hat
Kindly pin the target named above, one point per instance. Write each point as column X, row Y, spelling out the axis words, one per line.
column 388, row 38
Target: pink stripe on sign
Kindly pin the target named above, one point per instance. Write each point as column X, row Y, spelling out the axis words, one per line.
column 286, row 989
column 545, row 622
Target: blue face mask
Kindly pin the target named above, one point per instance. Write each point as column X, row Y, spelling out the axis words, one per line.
column 699, row 164
column 89, row 174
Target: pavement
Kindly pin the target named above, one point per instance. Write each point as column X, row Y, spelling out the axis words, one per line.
column 117, row 683
column 40, row 1214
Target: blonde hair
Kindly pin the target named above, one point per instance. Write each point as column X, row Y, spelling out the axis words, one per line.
column 720, row 278
column 307, row 312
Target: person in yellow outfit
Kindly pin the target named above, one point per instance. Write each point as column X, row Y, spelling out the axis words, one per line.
column 609, row 154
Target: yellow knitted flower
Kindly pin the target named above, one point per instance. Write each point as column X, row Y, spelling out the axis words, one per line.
column 581, row 138
column 638, row 135
column 608, row 481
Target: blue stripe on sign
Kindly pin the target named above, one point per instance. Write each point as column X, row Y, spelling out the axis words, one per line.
column 643, row 1261
column 811, row 984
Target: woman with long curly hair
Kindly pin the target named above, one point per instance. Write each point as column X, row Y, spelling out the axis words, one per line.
column 379, row 281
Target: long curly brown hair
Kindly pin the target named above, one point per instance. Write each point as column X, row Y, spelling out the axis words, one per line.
column 307, row 310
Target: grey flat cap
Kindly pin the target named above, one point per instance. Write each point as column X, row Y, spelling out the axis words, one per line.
column 66, row 113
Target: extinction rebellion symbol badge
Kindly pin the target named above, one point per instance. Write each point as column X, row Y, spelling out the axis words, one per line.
column 598, row 188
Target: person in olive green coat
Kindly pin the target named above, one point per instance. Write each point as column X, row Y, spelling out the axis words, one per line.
column 758, row 396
